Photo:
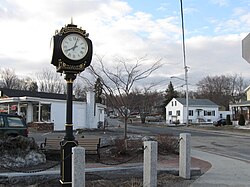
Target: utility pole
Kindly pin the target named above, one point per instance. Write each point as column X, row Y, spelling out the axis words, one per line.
column 184, row 63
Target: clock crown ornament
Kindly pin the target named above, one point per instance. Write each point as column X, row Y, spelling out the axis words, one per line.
column 72, row 49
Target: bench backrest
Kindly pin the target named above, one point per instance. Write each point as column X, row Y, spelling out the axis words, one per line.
column 90, row 144
column 53, row 143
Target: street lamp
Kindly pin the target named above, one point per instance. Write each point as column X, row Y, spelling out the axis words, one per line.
column 187, row 99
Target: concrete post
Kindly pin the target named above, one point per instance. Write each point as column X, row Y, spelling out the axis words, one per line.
column 29, row 113
column 150, row 164
column 91, row 110
column 78, row 167
column 185, row 155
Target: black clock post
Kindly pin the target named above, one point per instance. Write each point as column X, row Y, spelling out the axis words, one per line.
column 72, row 53
column 69, row 140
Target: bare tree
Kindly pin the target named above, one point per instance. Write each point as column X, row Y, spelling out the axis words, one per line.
column 51, row 82
column 9, row 79
column 221, row 89
column 119, row 80
column 147, row 102
column 28, row 84
column 79, row 89
column 238, row 86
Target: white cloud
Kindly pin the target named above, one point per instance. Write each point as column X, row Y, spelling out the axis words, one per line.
column 163, row 7
column 220, row 2
column 116, row 29
column 216, row 56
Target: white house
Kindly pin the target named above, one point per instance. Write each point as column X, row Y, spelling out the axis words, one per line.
column 200, row 111
column 48, row 107
column 242, row 107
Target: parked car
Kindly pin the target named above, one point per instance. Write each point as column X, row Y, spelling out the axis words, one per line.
column 153, row 118
column 113, row 116
column 12, row 125
column 220, row 122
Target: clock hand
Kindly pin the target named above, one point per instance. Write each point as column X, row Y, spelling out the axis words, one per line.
column 75, row 46
column 66, row 50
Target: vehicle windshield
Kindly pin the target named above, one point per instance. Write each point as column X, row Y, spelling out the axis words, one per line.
column 15, row 121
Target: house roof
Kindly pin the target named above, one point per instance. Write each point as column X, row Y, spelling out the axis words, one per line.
column 21, row 93
column 196, row 102
column 247, row 88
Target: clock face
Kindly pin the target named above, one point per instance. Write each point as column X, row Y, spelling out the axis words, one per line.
column 74, row 47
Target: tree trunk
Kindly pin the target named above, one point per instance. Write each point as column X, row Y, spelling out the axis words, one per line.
column 125, row 126
column 143, row 117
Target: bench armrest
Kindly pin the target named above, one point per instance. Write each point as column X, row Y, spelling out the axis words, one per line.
column 42, row 145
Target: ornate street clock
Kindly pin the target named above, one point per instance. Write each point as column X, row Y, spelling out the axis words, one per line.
column 71, row 49
column 71, row 54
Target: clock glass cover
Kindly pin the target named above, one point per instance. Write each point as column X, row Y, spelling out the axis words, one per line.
column 74, row 47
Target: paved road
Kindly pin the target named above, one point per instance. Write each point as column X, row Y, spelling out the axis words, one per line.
column 234, row 146
column 231, row 145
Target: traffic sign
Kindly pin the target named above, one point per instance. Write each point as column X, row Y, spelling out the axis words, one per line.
column 246, row 48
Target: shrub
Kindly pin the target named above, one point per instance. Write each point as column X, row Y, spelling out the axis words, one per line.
column 241, row 121
column 228, row 120
column 126, row 147
column 167, row 144
column 18, row 152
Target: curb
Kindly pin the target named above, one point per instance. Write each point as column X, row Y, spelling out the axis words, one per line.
column 91, row 174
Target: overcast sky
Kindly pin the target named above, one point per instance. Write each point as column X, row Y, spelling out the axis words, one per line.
column 214, row 30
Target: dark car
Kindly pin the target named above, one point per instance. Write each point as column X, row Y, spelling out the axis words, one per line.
column 220, row 122
column 12, row 125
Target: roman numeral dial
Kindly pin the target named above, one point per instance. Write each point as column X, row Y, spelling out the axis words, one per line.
column 74, row 47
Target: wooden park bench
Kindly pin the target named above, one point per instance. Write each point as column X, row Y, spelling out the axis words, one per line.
column 51, row 144
column 90, row 144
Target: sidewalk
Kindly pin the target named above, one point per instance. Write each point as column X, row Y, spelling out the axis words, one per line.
column 224, row 171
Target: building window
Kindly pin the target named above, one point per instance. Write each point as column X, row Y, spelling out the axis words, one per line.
column 178, row 113
column 175, row 103
column 1, row 121
column 191, row 113
column 209, row 113
column 172, row 103
column 35, row 112
column 170, row 113
column 45, row 113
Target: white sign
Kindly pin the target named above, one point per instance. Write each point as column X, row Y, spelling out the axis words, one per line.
column 246, row 48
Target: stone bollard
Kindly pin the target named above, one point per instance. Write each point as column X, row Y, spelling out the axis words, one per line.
column 78, row 167
column 150, row 164
column 185, row 155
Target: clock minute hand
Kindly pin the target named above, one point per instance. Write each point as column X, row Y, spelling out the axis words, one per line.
column 66, row 50
column 75, row 46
